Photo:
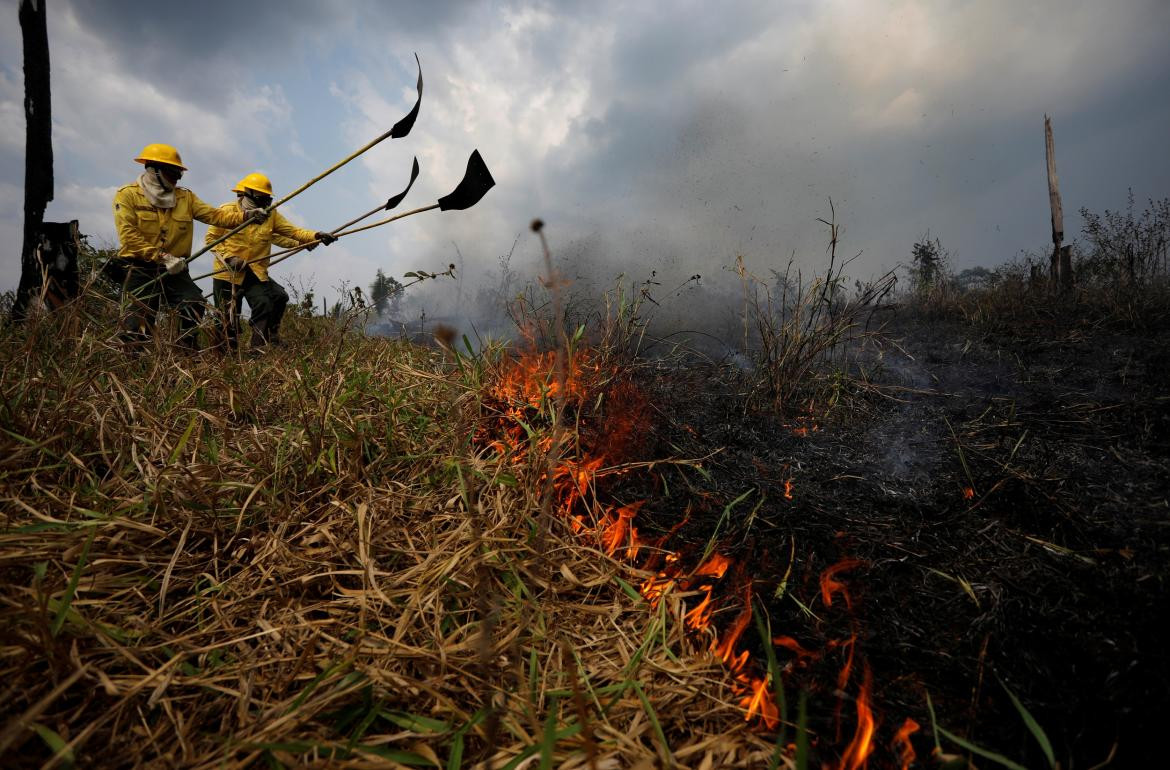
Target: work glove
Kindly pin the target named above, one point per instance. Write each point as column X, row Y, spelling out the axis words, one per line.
column 174, row 265
column 255, row 216
column 235, row 264
column 325, row 238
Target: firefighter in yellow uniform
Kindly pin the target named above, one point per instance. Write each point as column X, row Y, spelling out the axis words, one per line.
column 155, row 220
column 241, row 263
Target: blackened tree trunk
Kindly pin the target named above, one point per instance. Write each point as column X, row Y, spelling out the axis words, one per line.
column 1055, row 275
column 38, row 153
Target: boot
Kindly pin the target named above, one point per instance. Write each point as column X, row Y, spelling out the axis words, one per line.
column 136, row 333
column 259, row 333
column 274, row 337
column 188, row 342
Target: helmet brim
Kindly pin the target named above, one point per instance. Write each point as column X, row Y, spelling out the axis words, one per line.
column 144, row 161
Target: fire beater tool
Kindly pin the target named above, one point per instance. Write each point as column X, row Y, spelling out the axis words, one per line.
column 387, row 206
column 397, row 131
column 477, row 180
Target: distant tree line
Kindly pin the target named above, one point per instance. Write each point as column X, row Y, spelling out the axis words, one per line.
column 1131, row 246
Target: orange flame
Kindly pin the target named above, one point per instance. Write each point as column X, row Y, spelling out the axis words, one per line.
column 616, row 529
column 528, row 385
column 858, row 751
column 902, row 743
column 700, row 617
column 760, row 703
column 791, row 644
column 715, row 566
column 531, row 379
column 655, row 587
column 725, row 646
column 830, row 585
column 847, row 669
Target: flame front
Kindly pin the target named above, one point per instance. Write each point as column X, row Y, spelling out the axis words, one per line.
column 525, row 391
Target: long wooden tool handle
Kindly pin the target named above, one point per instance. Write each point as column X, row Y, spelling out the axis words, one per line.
column 387, row 220
column 337, row 231
column 398, row 130
column 292, row 195
column 281, row 256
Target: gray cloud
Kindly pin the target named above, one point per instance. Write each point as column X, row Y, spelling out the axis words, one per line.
column 649, row 136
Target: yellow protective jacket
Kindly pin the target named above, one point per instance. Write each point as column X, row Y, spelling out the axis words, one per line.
column 253, row 243
column 146, row 232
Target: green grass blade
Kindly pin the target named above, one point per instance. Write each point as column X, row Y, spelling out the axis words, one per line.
column 455, row 760
column 653, row 715
column 56, row 744
column 360, row 731
column 1033, row 726
column 629, row 589
column 71, row 589
column 765, row 631
column 802, row 732
column 414, row 722
column 312, row 685
column 962, row 455
column 183, row 440
column 548, row 740
column 719, row 524
column 528, row 751
column 971, row 747
column 933, row 724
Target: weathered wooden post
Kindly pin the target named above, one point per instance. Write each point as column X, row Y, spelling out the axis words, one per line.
column 1060, row 266
column 1066, row 273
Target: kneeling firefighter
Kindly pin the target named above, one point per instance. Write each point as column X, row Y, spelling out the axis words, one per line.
column 241, row 263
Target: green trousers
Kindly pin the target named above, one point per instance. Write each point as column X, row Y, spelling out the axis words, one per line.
column 137, row 279
column 267, row 301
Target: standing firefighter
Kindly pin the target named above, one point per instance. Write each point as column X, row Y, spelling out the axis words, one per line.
column 241, row 263
column 155, row 221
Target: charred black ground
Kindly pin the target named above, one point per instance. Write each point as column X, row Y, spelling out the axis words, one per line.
column 1048, row 574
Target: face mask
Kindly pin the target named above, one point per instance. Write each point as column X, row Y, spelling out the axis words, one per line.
column 157, row 189
column 249, row 203
column 163, row 182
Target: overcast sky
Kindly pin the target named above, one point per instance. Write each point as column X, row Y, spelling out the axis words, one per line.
column 648, row 135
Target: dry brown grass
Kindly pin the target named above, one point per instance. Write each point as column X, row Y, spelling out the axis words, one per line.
column 304, row 560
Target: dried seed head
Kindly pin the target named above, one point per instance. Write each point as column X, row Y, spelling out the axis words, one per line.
column 444, row 334
column 537, row 225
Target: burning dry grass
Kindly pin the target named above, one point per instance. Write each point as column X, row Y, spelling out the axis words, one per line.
column 361, row 553
column 305, row 560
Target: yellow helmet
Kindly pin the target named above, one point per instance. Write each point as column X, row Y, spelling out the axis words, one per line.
column 161, row 153
column 255, row 182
